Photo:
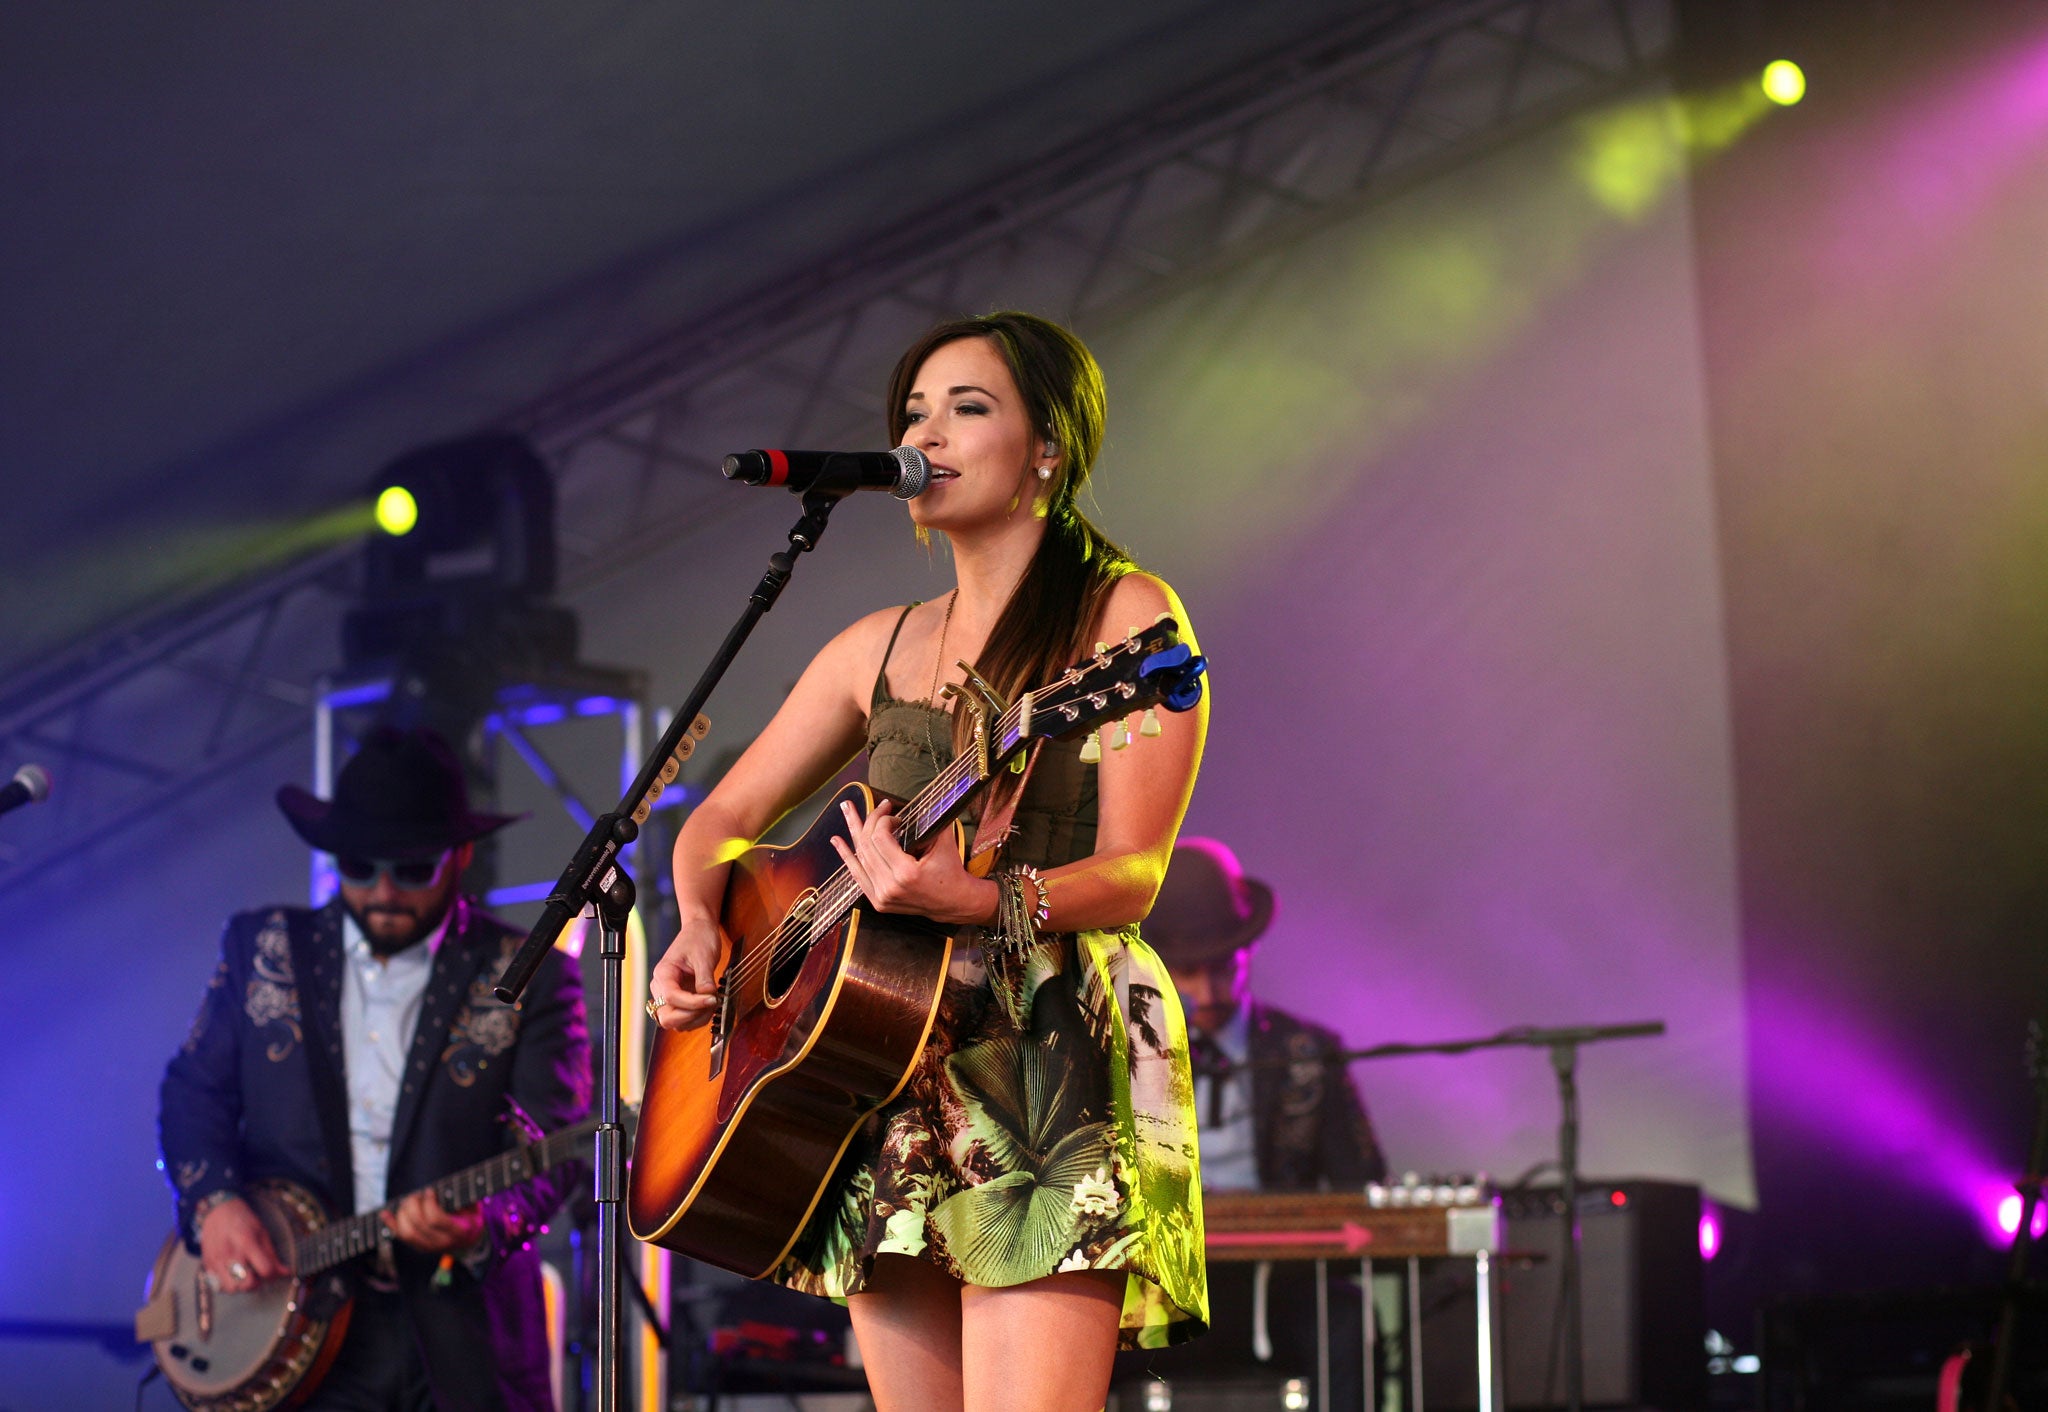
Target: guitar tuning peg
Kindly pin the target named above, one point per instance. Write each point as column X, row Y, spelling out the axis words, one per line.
column 1121, row 736
column 1150, row 725
column 1100, row 648
column 1091, row 749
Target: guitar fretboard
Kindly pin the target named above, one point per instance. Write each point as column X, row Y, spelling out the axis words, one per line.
column 922, row 817
column 356, row 1235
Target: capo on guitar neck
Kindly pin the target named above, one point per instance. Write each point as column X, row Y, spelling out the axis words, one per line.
column 995, row 703
column 989, row 707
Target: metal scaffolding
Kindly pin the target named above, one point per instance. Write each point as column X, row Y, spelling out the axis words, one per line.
column 140, row 718
column 1098, row 230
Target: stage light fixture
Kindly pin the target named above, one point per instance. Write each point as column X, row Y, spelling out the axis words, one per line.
column 478, row 512
column 1784, row 82
column 397, row 511
column 465, row 564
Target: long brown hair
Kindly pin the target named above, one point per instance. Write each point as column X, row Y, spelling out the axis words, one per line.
column 1045, row 624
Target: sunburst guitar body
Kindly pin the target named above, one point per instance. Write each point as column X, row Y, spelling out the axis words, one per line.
column 756, row 1104
column 825, row 1003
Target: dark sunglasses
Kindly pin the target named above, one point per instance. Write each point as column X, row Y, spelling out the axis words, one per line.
column 409, row 873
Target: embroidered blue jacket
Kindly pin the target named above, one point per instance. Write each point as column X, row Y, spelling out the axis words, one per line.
column 258, row 1090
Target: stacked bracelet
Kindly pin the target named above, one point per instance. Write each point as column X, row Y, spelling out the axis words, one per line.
column 1041, row 910
column 1017, row 922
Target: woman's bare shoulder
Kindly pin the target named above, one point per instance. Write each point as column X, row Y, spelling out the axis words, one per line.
column 856, row 653
column 1136, row 600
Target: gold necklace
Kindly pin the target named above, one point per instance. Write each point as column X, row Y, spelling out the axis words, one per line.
column 938, row 665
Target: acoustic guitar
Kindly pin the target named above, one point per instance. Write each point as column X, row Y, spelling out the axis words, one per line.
column 823, row 1003
column 269, row 1347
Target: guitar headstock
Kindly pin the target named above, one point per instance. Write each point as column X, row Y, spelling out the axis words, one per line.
column 1152, row 667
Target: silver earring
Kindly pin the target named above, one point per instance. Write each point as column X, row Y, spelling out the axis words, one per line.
column 1045, row 472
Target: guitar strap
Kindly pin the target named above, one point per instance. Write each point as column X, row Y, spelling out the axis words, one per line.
column 996, row 823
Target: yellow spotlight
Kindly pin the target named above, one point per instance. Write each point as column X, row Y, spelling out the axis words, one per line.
column 1784, row 82
column 397, row 511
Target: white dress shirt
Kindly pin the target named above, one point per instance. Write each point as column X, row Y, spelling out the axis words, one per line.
column 380, row 1010
column 1230, row 1159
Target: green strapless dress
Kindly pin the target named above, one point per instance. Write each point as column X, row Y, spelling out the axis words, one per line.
column 1049, row 1124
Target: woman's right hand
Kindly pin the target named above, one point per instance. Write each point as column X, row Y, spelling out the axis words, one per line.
column 686, row 978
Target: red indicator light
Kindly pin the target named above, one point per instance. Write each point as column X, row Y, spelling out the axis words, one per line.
column 1619, row 1198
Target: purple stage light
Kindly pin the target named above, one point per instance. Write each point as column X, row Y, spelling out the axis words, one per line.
column 1848, row 1090
column 1710, row 1232
column 2005, row 1217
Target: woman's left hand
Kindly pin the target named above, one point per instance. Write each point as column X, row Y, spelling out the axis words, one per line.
column 937, row 885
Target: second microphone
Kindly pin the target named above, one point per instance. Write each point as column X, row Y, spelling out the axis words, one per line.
column 904, row 472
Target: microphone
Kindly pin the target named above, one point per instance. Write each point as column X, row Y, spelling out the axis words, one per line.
column 904, row 472
column 31, row 783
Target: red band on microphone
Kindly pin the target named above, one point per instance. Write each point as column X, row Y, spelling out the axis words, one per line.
column 778, row 468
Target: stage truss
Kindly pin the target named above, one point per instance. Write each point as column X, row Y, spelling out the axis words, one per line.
column 141, row 718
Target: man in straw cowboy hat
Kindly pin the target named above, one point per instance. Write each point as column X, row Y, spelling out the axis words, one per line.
column 357, row 1049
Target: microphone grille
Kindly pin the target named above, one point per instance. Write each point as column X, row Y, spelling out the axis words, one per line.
column 915, row 475
column 36, row 780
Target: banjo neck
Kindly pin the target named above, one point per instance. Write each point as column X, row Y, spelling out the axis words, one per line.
column 351, row 1236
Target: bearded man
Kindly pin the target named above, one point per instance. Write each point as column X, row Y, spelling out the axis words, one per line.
column 357, row 1049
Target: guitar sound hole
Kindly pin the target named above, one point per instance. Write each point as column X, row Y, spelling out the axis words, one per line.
column 794, row 948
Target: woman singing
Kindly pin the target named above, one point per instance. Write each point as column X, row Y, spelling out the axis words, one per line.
column 1030, row 1200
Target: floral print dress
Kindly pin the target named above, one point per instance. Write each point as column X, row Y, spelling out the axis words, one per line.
column 1049, row 1124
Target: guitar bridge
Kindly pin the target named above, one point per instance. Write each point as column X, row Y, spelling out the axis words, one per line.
column 721, row 1027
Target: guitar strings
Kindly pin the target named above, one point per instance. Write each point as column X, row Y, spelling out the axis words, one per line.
column 839, row 890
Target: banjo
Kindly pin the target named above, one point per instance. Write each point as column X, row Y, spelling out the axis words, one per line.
column 268, row 1347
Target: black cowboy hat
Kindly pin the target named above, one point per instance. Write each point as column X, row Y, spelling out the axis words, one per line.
column 400, row 796
column 1207, row 908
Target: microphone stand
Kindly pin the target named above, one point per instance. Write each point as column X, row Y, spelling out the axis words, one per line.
column 2023, row 1233
column 596, row 877
column 1563, row 1045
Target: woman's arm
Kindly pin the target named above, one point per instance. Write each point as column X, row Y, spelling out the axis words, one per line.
column 819, row 727
column 1143, row 789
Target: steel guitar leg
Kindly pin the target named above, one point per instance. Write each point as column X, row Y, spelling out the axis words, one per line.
column 1487, row 1289
column 1415, row 1333
column 1370, row 1397
column 1323, row 1335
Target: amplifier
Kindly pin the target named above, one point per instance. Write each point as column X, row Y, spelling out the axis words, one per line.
column 1642, row 1297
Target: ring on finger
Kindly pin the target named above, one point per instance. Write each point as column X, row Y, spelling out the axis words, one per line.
column 654, row 1004
column 237, row 1271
